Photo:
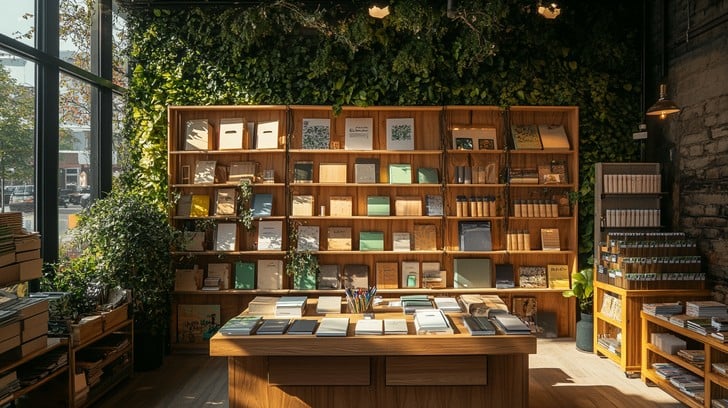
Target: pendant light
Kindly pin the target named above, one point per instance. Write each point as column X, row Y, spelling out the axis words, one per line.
column 663, row 106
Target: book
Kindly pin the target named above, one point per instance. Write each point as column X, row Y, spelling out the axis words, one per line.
column 400, row 173
column 270, row 235
column 401, row 134
column 505, row 276
column 433, row 276
column 387, row 274
column 395, row 326
column 196, row 323
column 358, row 133
column 262, row 205
column 479, row 326
column 378, row 206
column 231, row 134
column 262, row 305
column 273, row 326
column 369, row 327
column 197, row 134
column 532, row 276
column 291, row 306
column 328, row 277
column 355, row 276
column 525, row 137
column 340, row 206
column 200, row 206
column 550, row 239
column 412, row 303
column 328, row 304
column 244, row 325
column 266, row 135
column 303, row 326
column 244, row 275
column 188, row 279
column 553, row 137
column 474, row 236
column 220, row 271
column 447, row 304
column 432, row 321
column 302, row 205
column 425, row 237
column 193, row 240
column 270, row 274
column 371, row 241
column 428, row 175
column 238, row 171
column 510, row 324
column 410, row 274
column 303, row 172
column 462, row 143
column 433, row 205
column 205, row 171
column 401, row 242
column 184, row 205
column 226, row 236
column 468, row 138
column 308, row 238
column 339, row 239
column 316, row 133
column 472, row 273
column 558, row 276
column 366, row 170
column 525, row 307
column 333, row 327
column 408, row 206
column 225, row 200
column 332, row 173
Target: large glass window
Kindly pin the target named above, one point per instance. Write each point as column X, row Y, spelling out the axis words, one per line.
column 17, row 22
column 17, row 147
column 75, row 32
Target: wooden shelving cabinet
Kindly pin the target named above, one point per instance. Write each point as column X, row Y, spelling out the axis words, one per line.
column 716, row 385
column 433, row 148
column 59, row 375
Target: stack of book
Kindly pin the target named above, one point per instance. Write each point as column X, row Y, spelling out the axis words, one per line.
column 610, row 343
column 328, row 304
column 413, row 303
column 700, row 325
column 395, row 326
column 720, row 368
column 706, row 308
column 719, row 403
column 333, row 327
column 689, row 384
column 510, row 324
column 243, row 325
column 447, row 304
column 720, row 335
column 719, row 323
column 291, row 306
column 369, row 327
column 694, row 357
column 479, row 325
column 263, row 305
column 661, row 309
column 668, row 370
column 679, row 319
column 482, row 305
column 432, row 321
column 667, row 342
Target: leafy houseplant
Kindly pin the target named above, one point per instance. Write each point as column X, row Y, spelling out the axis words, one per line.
column 301, row 265
column 582, row 287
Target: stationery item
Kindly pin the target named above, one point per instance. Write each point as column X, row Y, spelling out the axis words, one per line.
column 270, row 235
column 328, row 277
column 366, row 170
column 220, row 271
column 302, row 326
column 400, row 173
column 303, row 172
column 378, row 206
column 225, row 236
column 432, row 321
column 553, row 137
column 558, row 276
column 340, row 206
column 425, row 237
column 410, row 274
column 263, row 305
column 270, row 274
column 316, row 133
column 308, row 238
column 205, row 172
column 244, row 325
column 225, row 199
column 273, row 327
column 302, row 205
column 401, row 242
column 447, row 304
column 356, row 276
column 239, row 171
column 328, row 304
column 401, row 134
column 369, row 327
column 371, row 241
column 332, row 173
column 526, row 137
column 358, row 134
column 262, row 205
column 428, row 175
column 291, row 306
column 359, row 300
column 339, row 239
column 231, row 134
column 244, row 275
column 472, row 273
column 333, row 327
column 395, row 326
column 197, row 134
column 479, row 326
column 510, row 324
column 266, row 135
column 387, row 274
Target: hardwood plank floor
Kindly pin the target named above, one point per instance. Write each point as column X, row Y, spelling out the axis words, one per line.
column 560, row 376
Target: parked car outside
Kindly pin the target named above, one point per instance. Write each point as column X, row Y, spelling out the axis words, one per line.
column 22, row 198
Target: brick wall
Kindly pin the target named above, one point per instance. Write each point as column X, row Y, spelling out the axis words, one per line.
column 697, row 76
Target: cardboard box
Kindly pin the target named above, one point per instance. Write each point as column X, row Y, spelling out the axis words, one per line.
column 115, row 317
column 38, row 343
column 87, row 328
column 34, row 326
column 9, row 273
column 9, row 344
column 7, row 259
column 27, row 255
column 9, row 330
column 27, row 243
column 32, row 269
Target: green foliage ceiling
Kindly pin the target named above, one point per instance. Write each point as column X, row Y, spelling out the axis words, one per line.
column 494, row 52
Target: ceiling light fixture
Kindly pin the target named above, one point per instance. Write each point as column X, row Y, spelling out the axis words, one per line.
column 550, row 11
column 663, row 106
column 379, row 10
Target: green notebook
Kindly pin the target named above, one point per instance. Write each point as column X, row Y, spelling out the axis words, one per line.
column 371, row 241
column 244, row 275
column 400, row 173
column 378, row 205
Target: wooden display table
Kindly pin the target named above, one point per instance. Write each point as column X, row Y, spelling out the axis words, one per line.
column 411, row 370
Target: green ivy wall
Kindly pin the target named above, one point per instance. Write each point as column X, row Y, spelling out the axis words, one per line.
column 495, row 52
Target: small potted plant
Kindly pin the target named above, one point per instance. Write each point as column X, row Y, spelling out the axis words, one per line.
column 582, row 288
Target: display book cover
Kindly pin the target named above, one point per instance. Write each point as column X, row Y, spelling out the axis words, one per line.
column 243, row 325
column 474, row 236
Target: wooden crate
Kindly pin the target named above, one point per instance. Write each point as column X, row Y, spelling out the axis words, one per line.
column 114, row 317
column 88, row 328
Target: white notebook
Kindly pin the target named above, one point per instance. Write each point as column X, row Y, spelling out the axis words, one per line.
column 333, row 327
column 368, row 327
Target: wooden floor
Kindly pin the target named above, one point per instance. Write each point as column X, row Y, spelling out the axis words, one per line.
column 560, row 376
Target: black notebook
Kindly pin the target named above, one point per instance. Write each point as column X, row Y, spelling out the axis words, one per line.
column 303, row 326
column 479, row 325
column 273, row 326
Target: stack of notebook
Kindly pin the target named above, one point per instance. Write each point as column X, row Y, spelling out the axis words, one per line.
column 243, row 325
column 368, row 327
column 432, row 321
column 291, row 306
column 333, row 327
column 510, row 324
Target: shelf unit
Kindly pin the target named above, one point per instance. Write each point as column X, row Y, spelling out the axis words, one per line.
column 53, row 344
column 433, row 148
column 716, row 385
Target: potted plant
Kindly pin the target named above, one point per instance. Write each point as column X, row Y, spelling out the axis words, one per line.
column 128, row 238
column 582, row 287
column 301, row 264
